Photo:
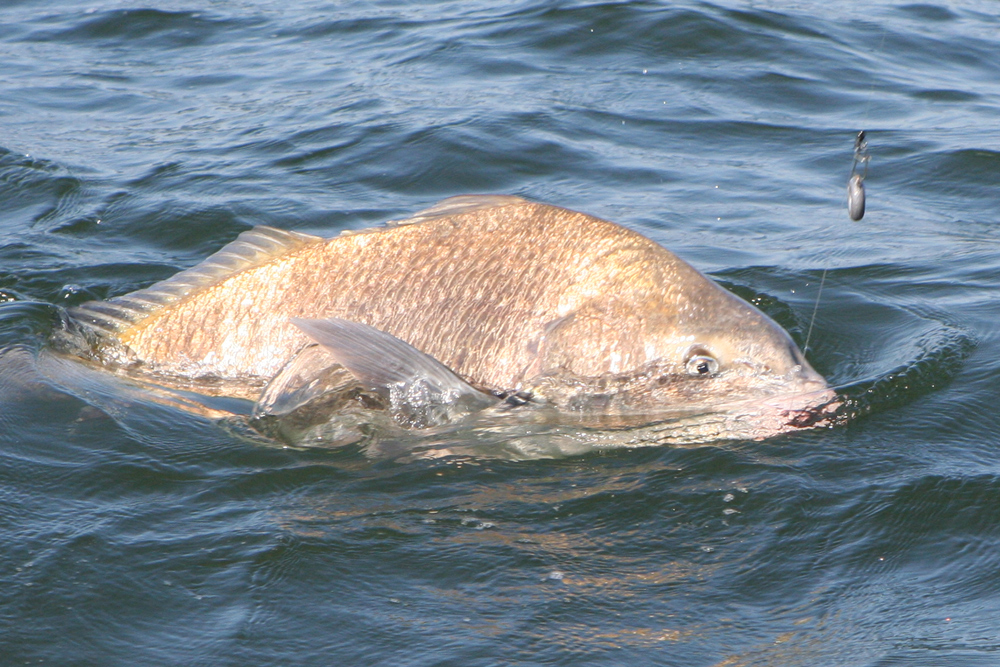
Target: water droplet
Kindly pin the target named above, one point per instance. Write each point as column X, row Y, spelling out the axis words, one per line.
column 69, row 290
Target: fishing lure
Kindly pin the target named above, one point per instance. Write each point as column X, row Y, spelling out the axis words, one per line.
column 856, row 183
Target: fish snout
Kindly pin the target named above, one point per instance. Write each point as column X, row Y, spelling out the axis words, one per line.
column 806, row 380
column 812, row 404
column 806, row 401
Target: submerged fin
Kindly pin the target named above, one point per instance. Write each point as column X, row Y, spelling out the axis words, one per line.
column 314, row 397
column 459, row 205
column 309, row 375
column 251, row 249
column 415, row 383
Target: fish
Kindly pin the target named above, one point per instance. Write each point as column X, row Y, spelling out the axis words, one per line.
column 481, row 301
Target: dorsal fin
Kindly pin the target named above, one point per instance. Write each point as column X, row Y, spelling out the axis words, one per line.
column 459, row 205
column 251, row 249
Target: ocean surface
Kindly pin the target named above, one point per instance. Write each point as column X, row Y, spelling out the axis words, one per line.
column 138, row 138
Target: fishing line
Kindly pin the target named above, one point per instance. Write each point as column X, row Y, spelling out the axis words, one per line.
column 812, row 320
column 855, row 209
column 855, row 190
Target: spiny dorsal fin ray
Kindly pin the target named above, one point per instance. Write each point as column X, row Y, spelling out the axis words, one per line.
column 411, row 380
column 251, row 249
column 459, row 205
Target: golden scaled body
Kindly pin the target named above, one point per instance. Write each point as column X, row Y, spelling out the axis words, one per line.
column 501, row 290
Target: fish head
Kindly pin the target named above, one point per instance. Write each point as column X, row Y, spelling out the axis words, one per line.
column 723, row 338
column 718, row 352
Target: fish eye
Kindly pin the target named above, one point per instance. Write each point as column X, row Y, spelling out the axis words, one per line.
column 700, row 362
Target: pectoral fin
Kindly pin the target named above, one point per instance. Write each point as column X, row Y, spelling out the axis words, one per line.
column 421, row 390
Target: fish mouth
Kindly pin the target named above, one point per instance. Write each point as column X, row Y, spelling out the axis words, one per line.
column 814, row 406
column 823, row 415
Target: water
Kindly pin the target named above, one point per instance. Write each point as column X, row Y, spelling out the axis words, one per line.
column 137, row 139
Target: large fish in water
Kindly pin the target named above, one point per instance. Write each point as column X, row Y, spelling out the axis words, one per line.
column 477, row 300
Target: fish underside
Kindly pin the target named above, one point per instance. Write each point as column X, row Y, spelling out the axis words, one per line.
column 536, row 327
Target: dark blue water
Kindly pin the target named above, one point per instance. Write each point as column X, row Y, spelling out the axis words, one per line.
column 136, row 139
